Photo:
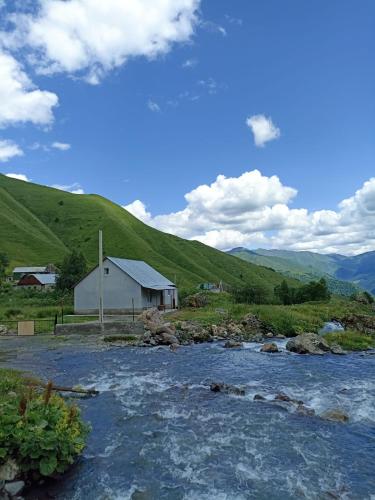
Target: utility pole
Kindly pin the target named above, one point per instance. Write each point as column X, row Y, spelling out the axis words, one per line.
column 101, row 312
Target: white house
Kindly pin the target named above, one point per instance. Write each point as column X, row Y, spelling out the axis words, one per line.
column 127, row 283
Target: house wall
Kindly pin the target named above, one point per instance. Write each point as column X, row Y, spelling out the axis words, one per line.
column 168, row 298
column 150, row 298
column 118, row 291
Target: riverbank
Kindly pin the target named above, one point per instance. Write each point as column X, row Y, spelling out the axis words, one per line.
column 159, row 432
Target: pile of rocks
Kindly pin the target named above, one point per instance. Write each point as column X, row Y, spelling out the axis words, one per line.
column 11, row 486
column 361, row 322
column 157, row 332
column 3, row 330
column 161, row 332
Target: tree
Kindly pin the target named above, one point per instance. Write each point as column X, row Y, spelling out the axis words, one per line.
column 284, row 293
column 4, row 262
column 313, row 291
column 72, row 269
column 250, row 295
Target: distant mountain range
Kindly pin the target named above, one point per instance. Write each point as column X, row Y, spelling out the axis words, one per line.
column 343, row 274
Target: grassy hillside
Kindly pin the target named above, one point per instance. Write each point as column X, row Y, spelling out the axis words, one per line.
column 39, row 225
column 293, row 269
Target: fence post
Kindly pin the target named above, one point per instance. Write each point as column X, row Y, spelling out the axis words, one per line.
column 54, row 327
column 133, row 308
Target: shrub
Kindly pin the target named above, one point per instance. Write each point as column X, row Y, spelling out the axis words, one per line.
column 10, row 313
column 40, row 431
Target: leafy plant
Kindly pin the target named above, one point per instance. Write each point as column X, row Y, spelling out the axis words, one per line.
column 39, row 430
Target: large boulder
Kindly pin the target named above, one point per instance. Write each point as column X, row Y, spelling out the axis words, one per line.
column 308, row 343
column 164, row 338
column 150, row 316
column 233, row 344
column 271, row 347
column 335, row 415
column 9, row 470
column 227, row 389
column 337, row 349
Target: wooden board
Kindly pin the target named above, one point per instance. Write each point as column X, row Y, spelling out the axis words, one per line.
column 26, row 328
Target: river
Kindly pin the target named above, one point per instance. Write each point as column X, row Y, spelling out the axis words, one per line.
column 160, row 433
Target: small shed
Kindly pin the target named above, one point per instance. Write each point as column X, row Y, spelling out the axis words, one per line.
column 38, row 281
column 126, row 284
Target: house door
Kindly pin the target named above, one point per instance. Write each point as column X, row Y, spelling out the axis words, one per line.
column 161, row 298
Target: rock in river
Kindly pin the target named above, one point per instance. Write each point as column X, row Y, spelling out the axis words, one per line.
column 337, row 349
column 308, row 343
column 227, row 389
column 271, row 347
column 335, row 415
column 232, row 344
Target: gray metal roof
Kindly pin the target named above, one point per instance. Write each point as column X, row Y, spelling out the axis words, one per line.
column 30, row 270
column 45, row 279
column 143, row 274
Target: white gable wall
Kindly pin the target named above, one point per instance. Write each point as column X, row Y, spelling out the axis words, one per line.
column 118, row 291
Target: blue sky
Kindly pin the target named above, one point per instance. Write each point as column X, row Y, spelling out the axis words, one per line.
column 154, row 129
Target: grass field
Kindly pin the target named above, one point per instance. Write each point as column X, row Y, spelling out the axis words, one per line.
column 39, row 225
column 288, row 320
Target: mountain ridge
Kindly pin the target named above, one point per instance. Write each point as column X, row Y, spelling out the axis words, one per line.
column 40, row 225
column 343, row 273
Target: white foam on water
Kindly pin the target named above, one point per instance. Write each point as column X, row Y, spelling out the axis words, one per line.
column 213, row 494
column 172, row 413
column 256, row 346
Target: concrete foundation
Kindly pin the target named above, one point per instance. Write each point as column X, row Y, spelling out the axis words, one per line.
column 107, row 328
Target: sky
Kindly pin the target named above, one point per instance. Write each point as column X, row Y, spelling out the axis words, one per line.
column 247, row 123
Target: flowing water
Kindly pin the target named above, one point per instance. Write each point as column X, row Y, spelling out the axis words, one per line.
column 159, row 432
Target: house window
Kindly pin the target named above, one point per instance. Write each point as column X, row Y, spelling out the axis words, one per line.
column 106, row 270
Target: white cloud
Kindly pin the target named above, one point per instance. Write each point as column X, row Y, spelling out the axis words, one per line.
column 62, row 146
column 138, row 209
column 263, row 129
column 20, row 100
column 8, row 150
column 95, row 36
column 189, row 63
column 213, row 27
column 74, row 188
column 20, row 177
column 153, row 106
column 234, row 20
column 254, row 210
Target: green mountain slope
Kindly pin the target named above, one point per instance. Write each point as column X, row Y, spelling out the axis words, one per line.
column 39, row 225
column 305, row 267
column 359, row 269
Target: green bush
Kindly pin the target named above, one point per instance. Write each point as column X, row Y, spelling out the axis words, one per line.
column 12, row 312
column 40, row 431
